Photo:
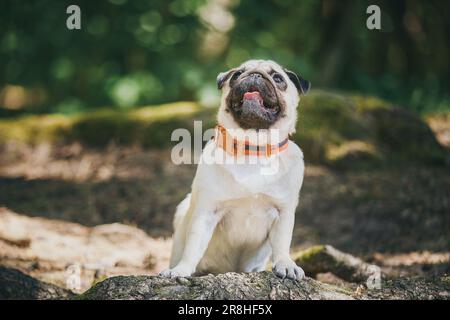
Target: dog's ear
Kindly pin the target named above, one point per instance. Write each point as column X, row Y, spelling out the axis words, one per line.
column 301, row 84
column 222, row 77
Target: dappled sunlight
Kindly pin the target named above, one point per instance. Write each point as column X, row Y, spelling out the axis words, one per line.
column 47, row 248
column 440, row 124
column 144, row 126
column 356, row 210
column 153, row 113
column 14, row 97
column 351, row 149
column 34, row 129
column 79, row 164
column 219, row 21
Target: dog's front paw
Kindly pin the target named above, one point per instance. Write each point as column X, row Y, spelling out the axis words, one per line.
column 288, row 269
column 177, row 271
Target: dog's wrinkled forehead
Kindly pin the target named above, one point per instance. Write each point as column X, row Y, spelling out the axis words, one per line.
column 262, row 65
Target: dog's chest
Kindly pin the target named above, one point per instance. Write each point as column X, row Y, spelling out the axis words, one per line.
column 247, row 220
column 247, row 181
column 241, row 233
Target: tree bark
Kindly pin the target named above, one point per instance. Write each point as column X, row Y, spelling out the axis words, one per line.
column 16, row 285
column 241, row 286
column 261, row 285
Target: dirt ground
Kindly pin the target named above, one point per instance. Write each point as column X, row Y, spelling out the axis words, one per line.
column 397, row 217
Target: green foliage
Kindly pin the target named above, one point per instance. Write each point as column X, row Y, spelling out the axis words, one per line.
column 126, row 54
column 131, row 53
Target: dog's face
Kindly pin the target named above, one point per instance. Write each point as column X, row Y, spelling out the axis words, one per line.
column 260, row 94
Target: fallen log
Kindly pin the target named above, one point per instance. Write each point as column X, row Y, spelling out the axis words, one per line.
column 325, row 258
column 262, row 285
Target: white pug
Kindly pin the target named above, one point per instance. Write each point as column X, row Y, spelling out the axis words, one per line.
column 237, row 216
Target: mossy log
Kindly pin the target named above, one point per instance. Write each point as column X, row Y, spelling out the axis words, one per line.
column 325, row 258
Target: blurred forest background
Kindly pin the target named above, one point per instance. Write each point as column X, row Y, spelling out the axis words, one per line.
column 86, row 117
column 132, row 53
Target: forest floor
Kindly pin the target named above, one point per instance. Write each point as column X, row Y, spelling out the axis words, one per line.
column 396, row 217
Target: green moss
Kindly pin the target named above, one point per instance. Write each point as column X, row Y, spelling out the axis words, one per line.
column 150, row 126
column 34, row 129
column 333, row 129
column 308, row 254
column 328, row 121
column 406, row 137
column 349, row 130
column 99, row 279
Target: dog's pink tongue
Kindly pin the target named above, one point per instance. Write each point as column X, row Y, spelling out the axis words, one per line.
column 252, row 95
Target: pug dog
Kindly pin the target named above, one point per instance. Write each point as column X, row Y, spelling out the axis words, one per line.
column 235, row 218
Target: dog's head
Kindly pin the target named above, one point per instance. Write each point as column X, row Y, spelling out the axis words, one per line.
column 260, row 94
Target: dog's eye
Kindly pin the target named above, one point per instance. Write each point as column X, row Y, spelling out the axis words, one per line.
column 237, row 74
column 277, row 78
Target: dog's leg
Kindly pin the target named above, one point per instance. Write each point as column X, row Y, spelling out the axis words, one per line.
column 204, row 219
column 280, row 239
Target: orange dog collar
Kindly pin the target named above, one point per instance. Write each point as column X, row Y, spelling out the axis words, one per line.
column 234, row 147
